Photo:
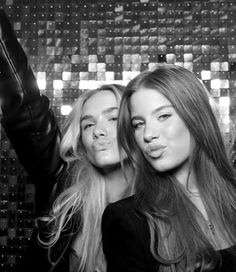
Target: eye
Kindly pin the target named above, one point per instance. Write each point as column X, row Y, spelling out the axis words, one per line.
column 114, row 118
column 137, row 125
column 86, row 126
column 164, row 116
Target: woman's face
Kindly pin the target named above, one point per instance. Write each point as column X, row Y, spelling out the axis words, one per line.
column 99, row 129
column 159, row 131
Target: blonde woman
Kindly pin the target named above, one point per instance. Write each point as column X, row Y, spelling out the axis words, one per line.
column 79, row 174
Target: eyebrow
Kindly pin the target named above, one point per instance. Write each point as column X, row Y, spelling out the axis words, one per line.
column 106, row 111
column 153, row 112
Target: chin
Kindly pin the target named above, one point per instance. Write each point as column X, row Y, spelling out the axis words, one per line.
column 106, row 162
column 160, row 168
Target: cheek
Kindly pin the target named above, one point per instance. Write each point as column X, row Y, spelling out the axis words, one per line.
column 138, row 137
column 183, row 134
column 112, row 134
column 86, row 142
column 112, row 130
column 180, row 139
column 176, row 130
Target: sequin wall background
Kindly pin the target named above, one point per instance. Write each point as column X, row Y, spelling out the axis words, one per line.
column 76, row 45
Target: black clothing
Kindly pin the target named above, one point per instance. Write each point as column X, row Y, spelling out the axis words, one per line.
column 126, row 240
column 27, row 119
column 33, row 131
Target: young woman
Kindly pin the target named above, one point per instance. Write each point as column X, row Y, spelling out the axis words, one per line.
column 89, row 145
column 82, row 171
column 183, row 215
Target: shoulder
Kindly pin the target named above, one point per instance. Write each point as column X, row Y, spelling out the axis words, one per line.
column 122, row 209
column 124, row 216
column 125, row 203
column 126, row 237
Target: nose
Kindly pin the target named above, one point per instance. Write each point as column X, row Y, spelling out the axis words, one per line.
column 99, row 131
column 150, row 133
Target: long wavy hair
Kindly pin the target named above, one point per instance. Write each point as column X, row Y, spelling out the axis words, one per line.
column 178, row 235
column 84, row 197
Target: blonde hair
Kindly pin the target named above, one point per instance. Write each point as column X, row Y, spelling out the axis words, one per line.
column 84, row 196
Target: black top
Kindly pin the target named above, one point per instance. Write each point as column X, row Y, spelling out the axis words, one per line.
column 126, row 240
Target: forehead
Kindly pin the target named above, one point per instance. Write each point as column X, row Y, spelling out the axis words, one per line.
column 100, row 102
column 147, row 99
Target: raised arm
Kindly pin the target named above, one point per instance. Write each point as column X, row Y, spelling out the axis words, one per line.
column 27, row 119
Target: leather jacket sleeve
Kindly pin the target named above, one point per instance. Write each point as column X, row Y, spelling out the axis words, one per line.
column 26, row 115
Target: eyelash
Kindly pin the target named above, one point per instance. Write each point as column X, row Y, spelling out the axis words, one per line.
column 137, row 125
column 161, row 118
column 113, row 119
column 91, row 124
column 87, row 126
column 164, row 116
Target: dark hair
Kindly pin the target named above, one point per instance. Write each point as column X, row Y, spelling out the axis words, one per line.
column 173, row 219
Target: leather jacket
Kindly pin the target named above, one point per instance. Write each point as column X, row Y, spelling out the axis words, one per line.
column 34, row 134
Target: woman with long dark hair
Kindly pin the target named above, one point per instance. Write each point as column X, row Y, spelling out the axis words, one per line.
column 183, row 215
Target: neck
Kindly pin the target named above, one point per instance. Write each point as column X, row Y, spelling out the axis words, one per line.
column 116, row 183
column 114, row 174
column 186, row 177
